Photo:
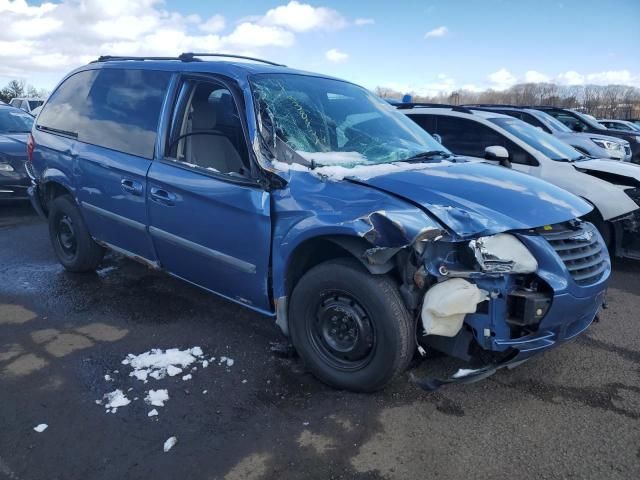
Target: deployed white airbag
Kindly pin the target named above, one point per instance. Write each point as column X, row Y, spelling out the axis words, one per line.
column 446, row 304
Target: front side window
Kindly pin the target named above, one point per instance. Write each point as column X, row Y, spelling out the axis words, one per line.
column 113, row 108
column 207, row 132
column 15, row 121
column 545, row 143
column 335, row 122
column 33, row 104
column 467, row 137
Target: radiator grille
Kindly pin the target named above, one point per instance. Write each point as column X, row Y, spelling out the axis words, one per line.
column 581, row 251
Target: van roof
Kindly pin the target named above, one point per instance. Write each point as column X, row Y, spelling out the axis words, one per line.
column 238, row 69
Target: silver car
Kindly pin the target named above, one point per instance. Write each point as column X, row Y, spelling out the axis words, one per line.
column 591, row 144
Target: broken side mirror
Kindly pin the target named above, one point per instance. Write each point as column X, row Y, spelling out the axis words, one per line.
column 499, row 154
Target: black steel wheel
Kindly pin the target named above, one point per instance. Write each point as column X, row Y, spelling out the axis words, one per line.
column 350, row 327
column 75, row 248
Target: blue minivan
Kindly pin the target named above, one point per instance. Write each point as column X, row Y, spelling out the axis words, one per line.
column 311, row 201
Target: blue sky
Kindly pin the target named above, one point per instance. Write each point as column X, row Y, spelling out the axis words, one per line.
column 474, row 44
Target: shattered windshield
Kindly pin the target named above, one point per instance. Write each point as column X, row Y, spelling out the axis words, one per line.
column 337, row 123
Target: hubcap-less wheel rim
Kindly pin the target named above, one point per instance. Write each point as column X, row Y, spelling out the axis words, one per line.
column 67, row 236
column 342, row 332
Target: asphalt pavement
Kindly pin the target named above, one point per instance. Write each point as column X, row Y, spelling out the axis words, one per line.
column 571, row 413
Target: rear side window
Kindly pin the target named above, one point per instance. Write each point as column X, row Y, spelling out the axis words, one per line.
column 113, row 108
column 425, row 121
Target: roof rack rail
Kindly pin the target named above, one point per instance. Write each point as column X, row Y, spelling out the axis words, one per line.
column 190, row 57
column 493, row 105
column 117, row 58
column 455, row 108
column 183, row 57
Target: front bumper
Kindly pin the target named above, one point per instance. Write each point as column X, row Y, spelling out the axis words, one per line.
column 13, row 187
column 574, row 304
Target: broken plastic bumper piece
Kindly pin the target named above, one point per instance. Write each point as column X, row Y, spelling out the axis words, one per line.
column 523, row 349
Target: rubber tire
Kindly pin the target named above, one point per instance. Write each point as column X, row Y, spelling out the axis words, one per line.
column 379, row 296
column 88, row 253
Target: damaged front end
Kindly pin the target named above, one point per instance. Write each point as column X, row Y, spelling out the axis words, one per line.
column 495, row 301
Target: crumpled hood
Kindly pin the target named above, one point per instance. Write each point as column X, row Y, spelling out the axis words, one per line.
column 623, row 169
column 479, row 198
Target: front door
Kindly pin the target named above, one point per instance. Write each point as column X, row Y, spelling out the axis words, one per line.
column 209, row 221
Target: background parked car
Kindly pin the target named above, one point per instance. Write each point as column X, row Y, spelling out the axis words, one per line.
column 579, row 122
column 592, row 144
column 620, row 125
column 15, row 126
column 611, row 187
column 26, row 104
column 36, row 110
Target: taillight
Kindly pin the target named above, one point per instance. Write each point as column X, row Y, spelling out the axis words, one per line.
column 31, row 143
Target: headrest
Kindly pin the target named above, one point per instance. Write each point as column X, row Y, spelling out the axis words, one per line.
column 203, row 115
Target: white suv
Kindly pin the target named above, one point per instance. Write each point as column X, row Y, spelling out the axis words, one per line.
column 612, row 187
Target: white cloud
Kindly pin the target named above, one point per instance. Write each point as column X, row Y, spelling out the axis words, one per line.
column 502, row 79
column 214, row 24
column 364, row 21
column 336, row 56
column 301, row 17
column 251, row 35
column 437, row 32
column 535, row 77
column 570, row 78
column 441, row 84
column 49, row 39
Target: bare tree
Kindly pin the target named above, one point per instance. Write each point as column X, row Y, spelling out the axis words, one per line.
column 615, row 101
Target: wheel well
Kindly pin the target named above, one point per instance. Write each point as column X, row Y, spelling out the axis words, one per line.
column 311, row 253
column 51, row 191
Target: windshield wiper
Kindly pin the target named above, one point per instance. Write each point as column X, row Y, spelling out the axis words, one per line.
column 55, row 130
column 419, row 157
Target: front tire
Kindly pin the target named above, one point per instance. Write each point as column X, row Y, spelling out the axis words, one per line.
column 350, row 327
column 72, row 243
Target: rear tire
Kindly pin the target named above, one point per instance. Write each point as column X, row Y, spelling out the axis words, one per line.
column 350, row 327
column 74, row 247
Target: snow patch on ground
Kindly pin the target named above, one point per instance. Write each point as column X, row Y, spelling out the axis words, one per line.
column 115, row 399
column 186, row 377
column 227, row 360
column 168, row 445
column 152, row 413
column 41, row 428
column 158, row 363
column 157, row 397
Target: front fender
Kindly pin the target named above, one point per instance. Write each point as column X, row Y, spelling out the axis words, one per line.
column 310, row 208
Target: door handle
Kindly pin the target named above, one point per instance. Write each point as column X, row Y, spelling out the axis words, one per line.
column 131, row 186
column 162, row 196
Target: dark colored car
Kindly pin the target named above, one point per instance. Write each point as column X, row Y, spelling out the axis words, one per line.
column 315, row 203
column 578, row 122
column 15, row 125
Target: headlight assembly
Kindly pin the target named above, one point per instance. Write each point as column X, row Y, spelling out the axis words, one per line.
column 503, row 253
column 5, row 167
column 607, row 144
